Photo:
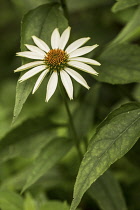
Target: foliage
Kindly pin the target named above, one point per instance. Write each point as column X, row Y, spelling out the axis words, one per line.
column 50, row 151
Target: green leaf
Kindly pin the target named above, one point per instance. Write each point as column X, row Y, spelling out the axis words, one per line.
column 120, row 64
column 47, row 158
column 10, row 201
column 29, row 203
column 107, row 192
column 22, row 92
column 114, row 137
column 39, row 22
column 57, row 205
column 27, row 139
column 124, row 4
column 131, row 31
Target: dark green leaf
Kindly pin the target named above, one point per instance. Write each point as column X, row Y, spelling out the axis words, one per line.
column 10, row 201
column 123, row 4
column 107, row 192
column 39, row 22
column 47, row 158
column 120, row 64
column 113, row 139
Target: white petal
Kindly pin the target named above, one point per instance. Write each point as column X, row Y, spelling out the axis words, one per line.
column 35, row 49
column 66, row 80
column 86, row 60
column 32, row 72
column 77, row 77
column 64, row 38
column 82, row 51
column 55, row 38
column 28, row 66
column 52, row 84
column 39, row 80
column 83, row 67
column 41, row 44
column 76, row 44
column 32, row 55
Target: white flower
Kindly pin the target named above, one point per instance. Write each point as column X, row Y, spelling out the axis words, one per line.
column 57, row 61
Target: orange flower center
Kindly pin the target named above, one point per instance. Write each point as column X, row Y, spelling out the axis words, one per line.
column 56, row 59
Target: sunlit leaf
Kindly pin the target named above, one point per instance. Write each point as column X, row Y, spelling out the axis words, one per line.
column 39, row 22
column 114, row 137
column 29, row 203
column 10, row 201
column 107, row 192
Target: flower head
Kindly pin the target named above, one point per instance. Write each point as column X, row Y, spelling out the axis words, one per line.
column 56, row 61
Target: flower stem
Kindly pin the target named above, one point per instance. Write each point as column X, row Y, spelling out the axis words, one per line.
column 71, row 123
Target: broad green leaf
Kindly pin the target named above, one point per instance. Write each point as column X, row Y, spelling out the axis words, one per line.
column 10, row 201
column 47, row 158
column 29, row 203
column 131, row 31
column 57, row 205
column 120, row 64
column 114, row 137
column 123, row 4
column 107, row 192
column 39, row 22
column 27, row 139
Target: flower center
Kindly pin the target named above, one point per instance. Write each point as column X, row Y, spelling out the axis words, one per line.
column 56, row 59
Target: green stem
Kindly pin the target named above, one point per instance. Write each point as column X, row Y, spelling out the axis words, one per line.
column 71, row 123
